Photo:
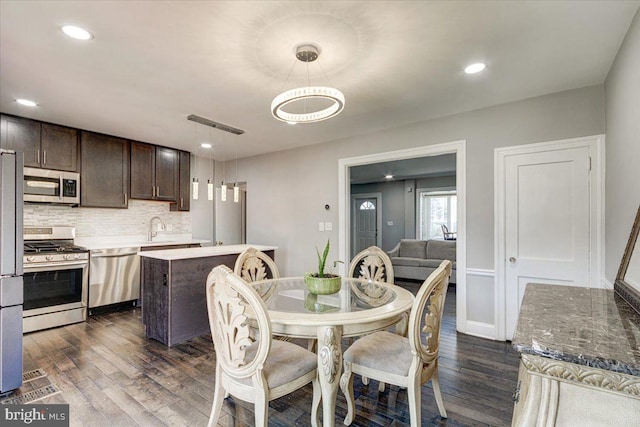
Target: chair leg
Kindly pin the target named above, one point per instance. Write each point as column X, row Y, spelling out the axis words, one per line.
column 262, row 411
column 435, row 380
column 381, row 386
column 346, row 385
column 317, row 396
column 365, row 380
column 413, row 395
column 219, row 394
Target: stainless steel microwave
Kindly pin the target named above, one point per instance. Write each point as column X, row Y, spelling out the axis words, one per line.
column 49, row 186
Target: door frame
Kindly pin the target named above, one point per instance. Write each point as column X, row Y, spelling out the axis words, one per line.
column 378, row 197
column 344, row 212
column 595, row 144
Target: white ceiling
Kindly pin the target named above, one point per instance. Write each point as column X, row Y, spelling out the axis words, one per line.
column 151, row 64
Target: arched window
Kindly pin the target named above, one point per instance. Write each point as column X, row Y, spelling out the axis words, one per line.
column 367, row 206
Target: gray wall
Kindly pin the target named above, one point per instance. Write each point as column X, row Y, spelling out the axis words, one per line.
column 287, row 190
column 623, row 147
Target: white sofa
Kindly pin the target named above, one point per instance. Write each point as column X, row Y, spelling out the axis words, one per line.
column 416, row 259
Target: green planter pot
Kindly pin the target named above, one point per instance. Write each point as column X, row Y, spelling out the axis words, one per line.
column 323, row 285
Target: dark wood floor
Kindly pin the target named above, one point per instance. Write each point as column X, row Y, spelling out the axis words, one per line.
column 111, row 375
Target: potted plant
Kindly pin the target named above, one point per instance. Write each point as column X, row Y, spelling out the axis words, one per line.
column 321, row 283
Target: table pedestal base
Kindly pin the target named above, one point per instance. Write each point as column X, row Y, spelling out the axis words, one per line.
column 329, row 370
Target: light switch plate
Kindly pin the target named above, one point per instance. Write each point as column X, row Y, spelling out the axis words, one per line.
column 328, row 226
column 321, row 226
column 390, row 223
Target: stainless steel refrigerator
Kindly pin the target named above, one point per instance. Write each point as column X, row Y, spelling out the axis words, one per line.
column 11, row 288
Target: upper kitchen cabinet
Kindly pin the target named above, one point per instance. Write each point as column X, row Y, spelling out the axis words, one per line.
column 184, row 183
column 105, row 171
column 44, row 145
column 154, row 172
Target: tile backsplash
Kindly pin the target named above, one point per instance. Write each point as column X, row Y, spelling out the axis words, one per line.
column 90, row 222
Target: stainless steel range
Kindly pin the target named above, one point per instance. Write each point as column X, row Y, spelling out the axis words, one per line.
column 55, row 278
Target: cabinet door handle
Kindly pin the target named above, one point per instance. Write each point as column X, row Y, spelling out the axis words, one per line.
column 125, row 199
column 153, row 191
column 44, row 157
column 38, row 156
column 158, row 191
column 181, row 202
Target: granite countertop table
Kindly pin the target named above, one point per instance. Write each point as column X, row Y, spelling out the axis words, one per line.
column 585, row 326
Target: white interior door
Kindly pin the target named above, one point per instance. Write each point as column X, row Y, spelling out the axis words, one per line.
column 547, row 222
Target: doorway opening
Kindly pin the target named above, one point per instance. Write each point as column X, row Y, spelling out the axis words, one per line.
column 348, row 169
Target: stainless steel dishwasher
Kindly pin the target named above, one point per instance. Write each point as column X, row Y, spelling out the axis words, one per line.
column 114, row 276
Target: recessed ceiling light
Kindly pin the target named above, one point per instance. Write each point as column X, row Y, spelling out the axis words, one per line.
column 26, row 102
column 205, row 145
column 388, row 176
column 475, row 68
column 77, row 32
column 291, row 123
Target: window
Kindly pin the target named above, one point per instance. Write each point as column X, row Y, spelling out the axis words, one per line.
column 436, row 208
column 367, row 206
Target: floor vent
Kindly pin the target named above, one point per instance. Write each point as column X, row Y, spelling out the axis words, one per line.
column 33, row 375
column 32, row 396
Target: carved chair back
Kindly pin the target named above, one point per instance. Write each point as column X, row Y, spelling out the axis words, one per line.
column 229, row 300
column 372, row 263
column 253, row 265
column 424, row 338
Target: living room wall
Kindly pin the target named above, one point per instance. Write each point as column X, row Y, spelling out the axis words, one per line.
column 623, row 147
column 288, row 190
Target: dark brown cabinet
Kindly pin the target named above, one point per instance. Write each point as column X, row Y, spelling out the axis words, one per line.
column 184, row 183
column 44, row 145
column 154, row 172
column 105, row 171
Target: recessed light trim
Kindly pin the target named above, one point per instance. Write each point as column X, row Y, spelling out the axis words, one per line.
column 475, row 68
column 26, row 102
column 205, row 145
column 76, row 32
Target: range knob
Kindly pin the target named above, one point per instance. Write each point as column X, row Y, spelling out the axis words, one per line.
column 66, row 256
column 49, row 257
column 31, row 258
column 76, row 256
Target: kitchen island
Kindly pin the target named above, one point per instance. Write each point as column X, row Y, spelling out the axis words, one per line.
column 580, row 358
column 174, row 306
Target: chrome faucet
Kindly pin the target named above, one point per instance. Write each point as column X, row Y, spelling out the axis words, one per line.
column 151, row 234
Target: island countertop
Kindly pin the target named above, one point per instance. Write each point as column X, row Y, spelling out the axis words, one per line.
column 585, row 326
column 202, row 252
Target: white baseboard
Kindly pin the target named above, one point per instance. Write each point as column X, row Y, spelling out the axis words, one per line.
column 605, row 283
column 482, row 330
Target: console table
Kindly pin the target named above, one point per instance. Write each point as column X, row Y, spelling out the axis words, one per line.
column 580, row 358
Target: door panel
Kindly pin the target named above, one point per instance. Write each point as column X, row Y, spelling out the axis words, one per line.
column 366, row 223
column 547, row 223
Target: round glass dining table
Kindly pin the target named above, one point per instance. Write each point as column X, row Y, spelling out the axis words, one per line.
column 360, row 307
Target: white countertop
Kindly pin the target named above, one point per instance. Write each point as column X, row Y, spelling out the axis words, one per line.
column 111, row 242
column 207, row 251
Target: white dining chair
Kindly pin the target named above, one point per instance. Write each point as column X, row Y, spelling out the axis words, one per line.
column 253, row 265
column 254, row 370
column 407, row 362
column 372, row 263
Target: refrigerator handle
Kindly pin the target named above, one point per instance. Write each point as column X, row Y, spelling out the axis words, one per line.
column 11, row 213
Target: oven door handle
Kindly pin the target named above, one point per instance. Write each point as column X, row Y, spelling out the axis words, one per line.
column 55, row 265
